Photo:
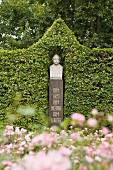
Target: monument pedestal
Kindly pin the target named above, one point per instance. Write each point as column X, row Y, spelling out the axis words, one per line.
column 55, row 102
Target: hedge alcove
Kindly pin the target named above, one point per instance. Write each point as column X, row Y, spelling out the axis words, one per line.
column 88, row 74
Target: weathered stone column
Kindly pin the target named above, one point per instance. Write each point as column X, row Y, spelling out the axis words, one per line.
column 56, row 92
column 55, row 102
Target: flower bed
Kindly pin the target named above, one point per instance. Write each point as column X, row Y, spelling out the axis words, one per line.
column 81, row 146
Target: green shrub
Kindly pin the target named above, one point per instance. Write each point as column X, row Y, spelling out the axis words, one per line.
column 87, row 73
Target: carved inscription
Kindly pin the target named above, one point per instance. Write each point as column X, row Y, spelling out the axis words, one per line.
column 56, row 102
column 56, row 120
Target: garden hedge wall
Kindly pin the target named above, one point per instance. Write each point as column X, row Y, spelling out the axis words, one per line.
column 88, row 74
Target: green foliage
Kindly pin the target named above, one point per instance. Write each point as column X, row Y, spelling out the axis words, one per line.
column 25, row 116
column 91, row 81
column 87, row 73
column 21, row 23
column 24, row 22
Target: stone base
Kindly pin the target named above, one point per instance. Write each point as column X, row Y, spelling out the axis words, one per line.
column 55, row 102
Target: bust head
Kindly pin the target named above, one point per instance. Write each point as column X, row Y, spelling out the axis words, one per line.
column 56, row 59
column 56, row 69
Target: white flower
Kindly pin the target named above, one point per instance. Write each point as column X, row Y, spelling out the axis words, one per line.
column 110, row 118
column 94, row 112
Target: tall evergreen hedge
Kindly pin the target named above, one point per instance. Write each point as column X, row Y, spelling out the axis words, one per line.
column 88, row 74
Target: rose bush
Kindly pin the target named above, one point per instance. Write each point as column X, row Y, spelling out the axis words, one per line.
column 83, row 146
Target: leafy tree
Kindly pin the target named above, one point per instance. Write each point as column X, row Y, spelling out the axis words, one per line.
column 23, row 22
column 90, row 20
column 94, row 19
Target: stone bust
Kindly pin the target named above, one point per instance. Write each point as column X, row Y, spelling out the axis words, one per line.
column 56, row 69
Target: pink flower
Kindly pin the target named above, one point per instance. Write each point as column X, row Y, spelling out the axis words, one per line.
column 92, row 122
column 31, row 162
column 111, row 167
column 8, row 151
column 41, row 153
column 17, row 131
column 43, row 139
column 63, row 132
column 19, row 152
column 76, row 136
column 72, row 147
column 83, row 167
column 17, row 167
column 7, row 168
column 58, row 161
column 89, row 159
column 105, row 130
column 10, row 146
column 7, row 139
column 109, row 136
column 22, row 143
column 2, row 151
column 21, row 149
column 7, row 163
column 42, row 161
column 9, row 127
column 65, row 151
column 8, row 131
column 79, row 118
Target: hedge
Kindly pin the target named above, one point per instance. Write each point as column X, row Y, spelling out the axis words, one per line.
column 87, row 75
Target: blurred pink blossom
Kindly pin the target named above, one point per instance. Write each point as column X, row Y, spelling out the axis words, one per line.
column 41, row 153
column 9, row 127
column 103, row 139
column 110, row 135
column 43, row 139
column 7, row 168
column 51, row 161
column 2, row 151
column 8, row 132
column 17, row 167
column 21, row 149
column 31, row 153
column 72, row 147
column 59, row 162
column 7, row 163
column 8, row 151
column 76, row 136
column 111, row 167
column 19, row 152
column 17, row 131
column 98, row 149
column 105, row 130
column 10, row 146
column 22, row 143
column 63, row 132
column 89, row 159
column 65, row 151
column 83, row 167
column 79, row 118
column 92, row 122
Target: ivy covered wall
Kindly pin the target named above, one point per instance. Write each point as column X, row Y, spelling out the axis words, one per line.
column 88, row 74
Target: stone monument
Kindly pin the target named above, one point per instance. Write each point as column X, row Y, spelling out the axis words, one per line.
column 56, row 92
